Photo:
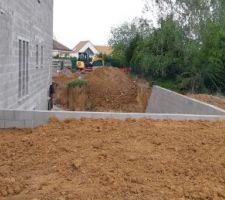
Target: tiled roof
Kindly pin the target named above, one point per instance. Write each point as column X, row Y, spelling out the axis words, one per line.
column 104, row 49
column 59, row 46
column 79, row 46
column 101, row 49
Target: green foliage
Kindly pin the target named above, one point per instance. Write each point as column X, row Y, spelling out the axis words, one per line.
column 77, row 83
column 186, row 51
column 74, row 62
column 213, row 53
column 119, row 54
column 167, row 83
column 192, row 15
column 125, row 38
column 160, row 54
column 124, row 33
column 56, row 57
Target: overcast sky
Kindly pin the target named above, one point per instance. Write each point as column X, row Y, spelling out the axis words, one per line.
column 76, row 20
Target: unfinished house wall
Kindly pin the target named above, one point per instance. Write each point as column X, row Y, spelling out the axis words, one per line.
column 26, row 31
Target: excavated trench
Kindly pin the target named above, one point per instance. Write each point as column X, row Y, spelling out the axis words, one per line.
column 106, row 90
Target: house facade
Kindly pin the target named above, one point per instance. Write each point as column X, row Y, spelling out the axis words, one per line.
column 26, row 32
column 90, row 49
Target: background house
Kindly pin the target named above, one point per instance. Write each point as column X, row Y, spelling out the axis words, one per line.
column 26, row 53
column 104, row 49
column 90, row 49
column 60, row 50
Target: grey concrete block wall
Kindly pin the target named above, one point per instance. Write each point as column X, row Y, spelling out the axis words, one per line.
column 32, row 119
column 2, row 124
column 166, row 101
column 30, row 21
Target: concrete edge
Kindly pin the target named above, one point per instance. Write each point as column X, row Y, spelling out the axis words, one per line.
column 191, row 99
column 33, row 119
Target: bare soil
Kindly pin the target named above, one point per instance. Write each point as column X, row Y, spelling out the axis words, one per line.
column 213, row 100
column 108, row 89
column 60, row 84
column 113, row 160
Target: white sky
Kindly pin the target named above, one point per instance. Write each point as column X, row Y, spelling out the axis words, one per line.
column 76, row 20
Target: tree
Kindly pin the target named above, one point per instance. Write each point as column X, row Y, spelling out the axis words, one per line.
column 187, row 48
column 161, row 53
column 122, row 39
column 127, row 31
column 213, row 56
column 192, row 15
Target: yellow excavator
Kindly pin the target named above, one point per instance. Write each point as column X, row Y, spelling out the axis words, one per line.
column 86, row 63
column 83, row 61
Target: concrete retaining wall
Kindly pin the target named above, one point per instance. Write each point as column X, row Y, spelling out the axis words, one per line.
column 32, row 119
column 166, row 101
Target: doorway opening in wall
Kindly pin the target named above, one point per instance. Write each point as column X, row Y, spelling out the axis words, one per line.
column 23, row 68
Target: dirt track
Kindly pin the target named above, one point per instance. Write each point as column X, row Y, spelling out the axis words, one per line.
column 111, row 159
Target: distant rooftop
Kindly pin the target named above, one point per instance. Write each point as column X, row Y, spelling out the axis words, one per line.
column 100, row 48
column 104, row 49
column 58, row 46
column 79, row 46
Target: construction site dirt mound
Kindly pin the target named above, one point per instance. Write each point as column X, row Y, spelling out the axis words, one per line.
column 60, row 84
column 107, row 89
column 113, row 160
column 218, row 101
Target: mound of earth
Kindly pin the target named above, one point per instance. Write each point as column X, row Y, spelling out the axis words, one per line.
column 107, row 89
column 213, row 100
column 60, row 84
column 113, row 160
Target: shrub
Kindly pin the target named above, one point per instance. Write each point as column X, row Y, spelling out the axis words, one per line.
column 74, row 62
column 77, row 83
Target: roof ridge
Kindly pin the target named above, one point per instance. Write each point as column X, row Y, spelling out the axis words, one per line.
column 59, row 46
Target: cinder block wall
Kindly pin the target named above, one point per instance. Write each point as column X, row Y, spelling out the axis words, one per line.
column 31, row 21
column 32, row 119
column 166, row 101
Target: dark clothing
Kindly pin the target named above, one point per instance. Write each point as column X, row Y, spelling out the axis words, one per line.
column 61, row 65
